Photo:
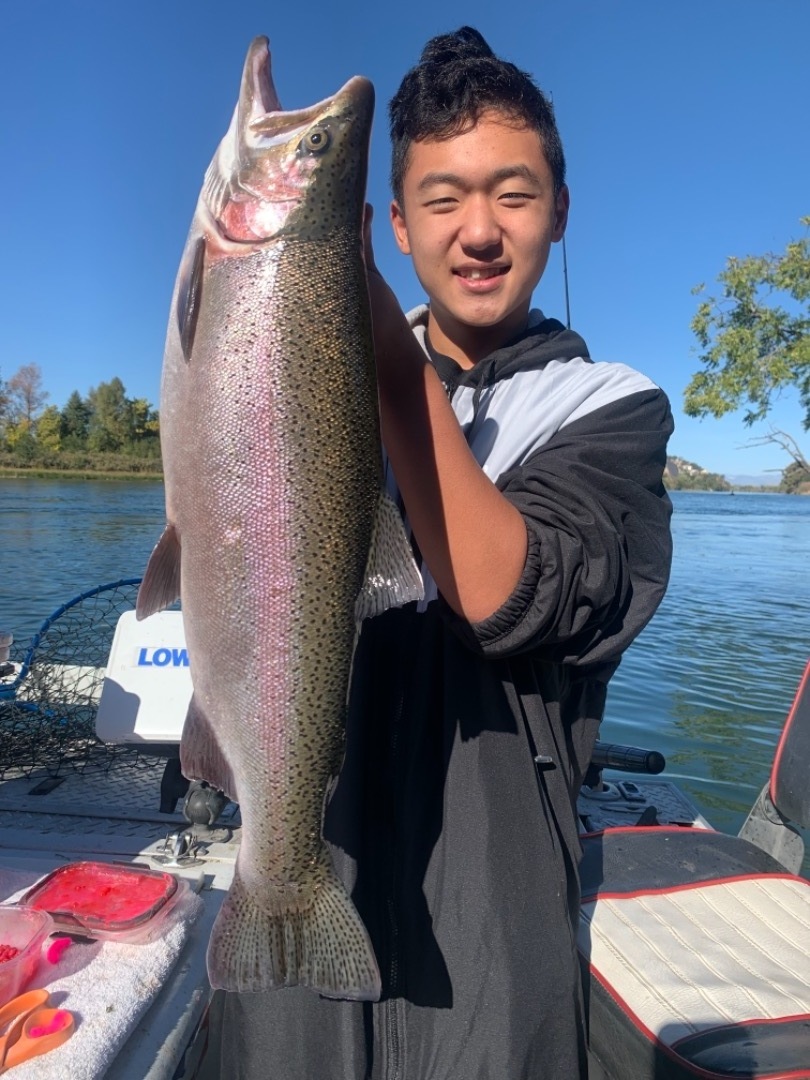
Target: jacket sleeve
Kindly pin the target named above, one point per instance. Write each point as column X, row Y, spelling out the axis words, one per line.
column 600, row 549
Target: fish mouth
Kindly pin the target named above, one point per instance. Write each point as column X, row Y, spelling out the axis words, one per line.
column 260, row 119
column 254, row 166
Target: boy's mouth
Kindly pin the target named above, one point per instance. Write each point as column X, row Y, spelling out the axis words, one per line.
column 480, row 273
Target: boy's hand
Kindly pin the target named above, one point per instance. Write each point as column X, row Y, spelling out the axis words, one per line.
column 368, row 251
column 389, row 324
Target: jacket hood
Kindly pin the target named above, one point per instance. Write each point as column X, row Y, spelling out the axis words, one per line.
column 542, row 340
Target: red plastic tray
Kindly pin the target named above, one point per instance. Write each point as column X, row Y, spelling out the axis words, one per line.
column 102, row 900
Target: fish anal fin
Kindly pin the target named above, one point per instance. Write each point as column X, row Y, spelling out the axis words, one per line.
column 319, row 942
column 392, row 576
column 161, row 581
column 201, row 757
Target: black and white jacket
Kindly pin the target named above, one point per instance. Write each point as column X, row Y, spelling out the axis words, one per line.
column 580, row 448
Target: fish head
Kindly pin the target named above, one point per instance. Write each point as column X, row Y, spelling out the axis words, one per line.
column 276, row 173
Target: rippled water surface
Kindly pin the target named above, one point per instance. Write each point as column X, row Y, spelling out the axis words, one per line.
column 709, row 682
column 60, row 537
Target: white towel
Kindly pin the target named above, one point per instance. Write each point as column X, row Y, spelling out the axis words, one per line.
column 106, row 985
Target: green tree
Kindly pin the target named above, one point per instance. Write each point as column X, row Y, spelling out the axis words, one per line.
column 795, row 478
column 109, row 426
column 754, row 336
column 75, row 419
column 49, row 430
column 144, row 419
column 20, row 439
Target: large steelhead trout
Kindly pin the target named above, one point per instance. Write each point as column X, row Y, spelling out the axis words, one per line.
column 278, row 538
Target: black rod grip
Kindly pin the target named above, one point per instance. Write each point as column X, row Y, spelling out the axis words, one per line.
column 627, row 758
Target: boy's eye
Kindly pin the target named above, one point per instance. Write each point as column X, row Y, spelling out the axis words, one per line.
column 442, row 203
column 515, row 196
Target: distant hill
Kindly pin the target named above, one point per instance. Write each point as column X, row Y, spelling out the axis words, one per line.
column 683, row 475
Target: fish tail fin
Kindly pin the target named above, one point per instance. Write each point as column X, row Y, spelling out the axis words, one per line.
column 318, row 941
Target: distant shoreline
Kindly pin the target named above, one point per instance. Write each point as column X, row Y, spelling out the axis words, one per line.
column 39, row 473
column 8, row 473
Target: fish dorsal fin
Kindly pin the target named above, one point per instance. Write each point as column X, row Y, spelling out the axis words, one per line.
column 161, row 582
column 392, row 576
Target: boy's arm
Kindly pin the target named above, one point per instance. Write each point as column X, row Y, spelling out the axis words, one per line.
column 597, row 517
column 472, row 537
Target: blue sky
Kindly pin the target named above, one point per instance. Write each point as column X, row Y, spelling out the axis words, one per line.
column 684, row 126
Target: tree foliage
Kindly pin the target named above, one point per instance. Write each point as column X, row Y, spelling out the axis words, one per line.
column 795, row 479
column 49, row 429
column 754, row 336
column 109, row 416
column 106, row 430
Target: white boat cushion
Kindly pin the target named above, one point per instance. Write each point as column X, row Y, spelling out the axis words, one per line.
column 686, row 959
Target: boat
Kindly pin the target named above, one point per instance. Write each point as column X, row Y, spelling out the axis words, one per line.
column 694, row 944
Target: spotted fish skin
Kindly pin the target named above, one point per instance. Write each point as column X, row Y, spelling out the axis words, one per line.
column 270, row 438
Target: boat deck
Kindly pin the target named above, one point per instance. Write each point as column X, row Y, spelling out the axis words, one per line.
column 113, row 816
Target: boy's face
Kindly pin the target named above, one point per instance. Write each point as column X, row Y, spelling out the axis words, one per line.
column 478, row 217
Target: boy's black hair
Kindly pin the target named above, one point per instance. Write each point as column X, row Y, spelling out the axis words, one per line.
column 458, row 77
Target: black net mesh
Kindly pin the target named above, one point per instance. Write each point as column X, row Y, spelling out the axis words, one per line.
column 47, row 720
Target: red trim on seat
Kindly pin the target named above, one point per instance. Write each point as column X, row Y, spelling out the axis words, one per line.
column 666, row 889
column 744, row 1023
column 645, row 830
column 783, row 737
column 795, row 1074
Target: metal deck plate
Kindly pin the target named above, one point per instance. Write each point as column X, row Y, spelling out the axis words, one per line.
column 128, row 792
column 620, row 806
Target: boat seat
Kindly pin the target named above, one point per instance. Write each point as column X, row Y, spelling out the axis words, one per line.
column 696, row 945
column 697, row 956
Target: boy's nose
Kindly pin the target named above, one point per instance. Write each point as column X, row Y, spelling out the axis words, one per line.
column 480, row 228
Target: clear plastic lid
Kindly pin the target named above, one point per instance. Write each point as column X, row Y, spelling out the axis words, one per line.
column 95, row 897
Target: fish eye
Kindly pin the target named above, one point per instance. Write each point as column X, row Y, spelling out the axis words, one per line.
column 316, row 141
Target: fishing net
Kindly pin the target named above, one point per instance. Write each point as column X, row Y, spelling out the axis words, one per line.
column 47, row 715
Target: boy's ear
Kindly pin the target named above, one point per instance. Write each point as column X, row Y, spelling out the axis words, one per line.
column 400, row 228
column 561, row 208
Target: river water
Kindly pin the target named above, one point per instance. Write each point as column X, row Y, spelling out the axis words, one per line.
column 708, row 683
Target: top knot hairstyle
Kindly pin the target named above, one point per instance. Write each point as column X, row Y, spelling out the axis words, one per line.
column 458, row 78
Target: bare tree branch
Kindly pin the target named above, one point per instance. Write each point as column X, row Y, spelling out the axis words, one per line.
column 787, row 443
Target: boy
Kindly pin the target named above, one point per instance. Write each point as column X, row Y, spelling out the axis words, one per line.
column 531, row 480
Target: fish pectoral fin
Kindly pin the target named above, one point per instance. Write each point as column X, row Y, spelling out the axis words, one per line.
column 319, row 942
column 161, row 582
column 201, row 756
column 392, row 576
column 189, row 293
